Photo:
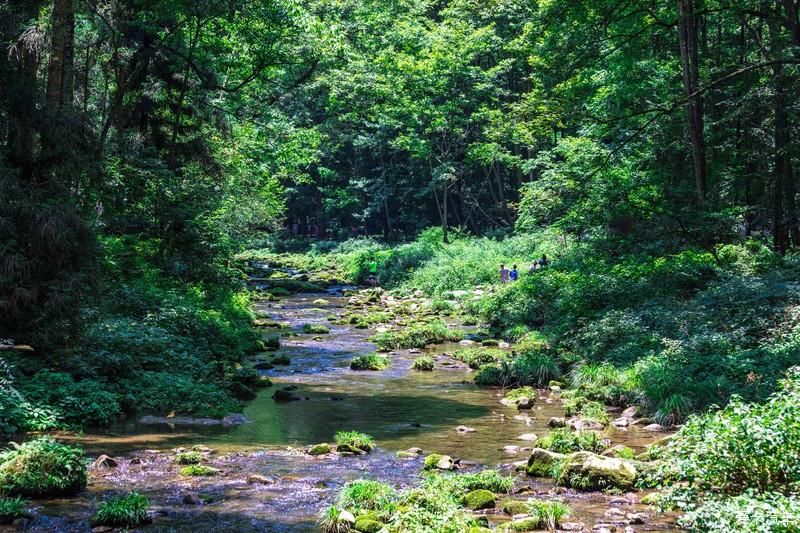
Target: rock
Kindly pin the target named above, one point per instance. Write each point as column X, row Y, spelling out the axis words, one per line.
column 467, row 342
column 258, row 479
column 572, row 526
column 654, row 428
column 102, row 529
column 406, row 455
column 417, row 451
column 585, row 424
column 631, row 412
column 479, row 499
column 635, row 518
column 347, row 517
column 555, row 389
column 586, row 470
column 105, row 462
column 439, row 462
column 530, row 437
column 264, row 382
column 621, row 422
column 512, row 449
column 556, row 422
column 614, row 513
column 191, row 498
column 282, row 396
column 320, row 301
column 419, row 294
column 263, row 365
column 603, row 528
column 465, row 429
column 366, row 524
column 541, row 462
column 202, row 449
column 515, row 507
column 320, row 449
column 347, row 449
column 234, row 419
column 282, row 360
column 619, row 450
column 525, row 404
column 524, row 524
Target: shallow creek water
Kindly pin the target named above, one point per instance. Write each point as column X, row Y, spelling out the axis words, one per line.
column 401, row 408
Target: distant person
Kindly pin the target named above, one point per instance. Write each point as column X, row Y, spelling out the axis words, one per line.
column 514, row 274
column 373, row 272
column 504, row 273
column 534, row 266
column 543, row 262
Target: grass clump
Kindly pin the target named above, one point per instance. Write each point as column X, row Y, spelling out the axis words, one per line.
column 417, row 336
column 424, row 363
column 334, row 520
column 11, row 509
column 521, row 394
column 189, row 458
column 585, row 408
column 490, row 480
column 477, row 357
column 42, row 467
column 371, row 361
column 367, row 495
column 564, row 440
column 549, row 514
column 124, row 511
column 354, row 440
column 316, row 329
column 198, row 471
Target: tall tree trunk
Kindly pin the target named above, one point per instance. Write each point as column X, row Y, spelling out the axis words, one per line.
column 688, row 42
column 60, row 70
column 18, row 84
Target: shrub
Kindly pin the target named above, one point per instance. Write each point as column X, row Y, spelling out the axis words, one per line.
column 354, row 439
column 424, row 363
column 527, row 369
column 417, row 336
column 589, row 409
column 549, row 514
column 371, row 361
column 11, row 509
column 124, row 511
column 564, row 440
column 79, row 403
column 773, row 512
column 42, row 467
column 163, row 392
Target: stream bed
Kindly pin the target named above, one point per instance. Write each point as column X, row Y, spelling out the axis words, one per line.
column 400, row 407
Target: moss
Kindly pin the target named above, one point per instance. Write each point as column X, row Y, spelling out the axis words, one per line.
column 320, row 449
column 515, row 507
column 189, row 458
column 479, row 499
column 436, row 461
column 367, row 525
column 543, row 463
column 198, row 470
column 316, row 329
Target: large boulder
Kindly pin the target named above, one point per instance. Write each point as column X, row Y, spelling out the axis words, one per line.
column 586, row 470
column 541, row 462
column 479, row 499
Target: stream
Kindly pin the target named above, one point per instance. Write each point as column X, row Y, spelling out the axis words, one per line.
column 400, row 407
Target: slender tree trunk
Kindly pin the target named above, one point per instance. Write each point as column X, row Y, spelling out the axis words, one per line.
column 688, row 42
column 60, row 70
column 172, row 161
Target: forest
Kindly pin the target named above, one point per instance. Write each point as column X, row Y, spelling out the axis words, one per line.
column 261, row 242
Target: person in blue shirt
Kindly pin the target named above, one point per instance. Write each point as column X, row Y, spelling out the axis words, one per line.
column 514, row 274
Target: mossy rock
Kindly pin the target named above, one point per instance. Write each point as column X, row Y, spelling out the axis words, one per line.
column 406, row 455
column 620, row 451
column 367, row 524
column 199, row 471
column 526, row 524
column 480, row 499
column 282, row 360
column 588, row 471
column 320, row 449
column 436, row 461
column 542, row 462
column 515, row 507
column 264, row 382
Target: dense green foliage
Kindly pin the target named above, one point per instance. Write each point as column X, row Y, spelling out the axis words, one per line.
column 11, row 509
column 123, row 511
column 42, row 467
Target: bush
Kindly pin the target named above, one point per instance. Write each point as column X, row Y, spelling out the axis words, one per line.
column 354, row 439
column 477, row 357
column 564, row 440
column 773, row 512
column 124, row 511
column 371, row 361
column 423, row 363
column 163, row 392
column 417, row 336
column 11, row 509
column 41, row 468
column 79, row 403
column 747, row 450
column 528, row 369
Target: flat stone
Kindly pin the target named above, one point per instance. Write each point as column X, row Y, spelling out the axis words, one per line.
column 621, row 422
column 465, row 429
column 530, row 437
